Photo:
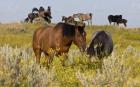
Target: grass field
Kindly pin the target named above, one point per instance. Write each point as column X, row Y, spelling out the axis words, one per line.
column 18, row 69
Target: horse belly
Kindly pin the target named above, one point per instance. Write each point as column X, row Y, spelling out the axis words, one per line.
column 64, row 49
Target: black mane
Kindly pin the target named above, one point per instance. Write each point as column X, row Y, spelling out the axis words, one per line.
column 68, row 29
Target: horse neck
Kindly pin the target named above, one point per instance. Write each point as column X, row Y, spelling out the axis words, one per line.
column 64, row 41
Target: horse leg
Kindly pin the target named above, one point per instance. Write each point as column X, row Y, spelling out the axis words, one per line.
column 88, row 23
column 91, row 22
column 109, row 22
column 38, row 55
column 49, row 21
column 49, row 59
column 125, row 24
column 114, row 23
column 65, row 58
column 31, row 20
column 117, row 23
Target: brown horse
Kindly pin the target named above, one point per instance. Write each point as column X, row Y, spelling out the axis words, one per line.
column 84, row 17
column 58, row 38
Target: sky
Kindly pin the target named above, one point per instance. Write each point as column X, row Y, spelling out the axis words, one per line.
column 17, row 10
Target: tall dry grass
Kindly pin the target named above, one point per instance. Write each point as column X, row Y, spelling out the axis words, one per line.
column 18, row 69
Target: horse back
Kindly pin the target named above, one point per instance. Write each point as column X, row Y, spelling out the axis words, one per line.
column 41, row 37
column 101, row 44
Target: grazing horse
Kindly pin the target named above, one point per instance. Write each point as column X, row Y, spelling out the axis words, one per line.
column 32, row 16
column 120, row 21
column 84, row 17
column 101, row 45
column 59, row 38
column 69, row 19
column 114, row 18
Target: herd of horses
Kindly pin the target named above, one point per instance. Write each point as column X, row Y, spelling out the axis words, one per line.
column 82, row 17
column 60, row 37
column 117, row 19
column 39, row 13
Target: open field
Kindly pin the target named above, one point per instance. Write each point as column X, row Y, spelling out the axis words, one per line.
column 18, row 69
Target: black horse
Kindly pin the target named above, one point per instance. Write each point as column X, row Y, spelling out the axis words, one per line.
column 32, row 16
column 46, row 15
column 114, row 18
column 101, row 45
column 122, row 21
column 41, row 9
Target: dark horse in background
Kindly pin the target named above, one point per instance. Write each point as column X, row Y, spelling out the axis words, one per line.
column 39, row 13
column 47, row 15
column 122, row 21
column 114, row 18
column 58, row 38
column 31, row 17
column 101, row 45
column 41, row 9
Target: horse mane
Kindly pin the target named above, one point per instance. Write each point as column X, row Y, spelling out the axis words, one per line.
column 98, row 38
column 68, row 29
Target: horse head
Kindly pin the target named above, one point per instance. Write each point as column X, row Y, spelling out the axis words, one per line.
column 41, row 9
column 80, row 36
column 64, row 18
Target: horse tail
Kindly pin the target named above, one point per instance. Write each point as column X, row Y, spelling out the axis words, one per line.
column 125, row 22
column 90, row 14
